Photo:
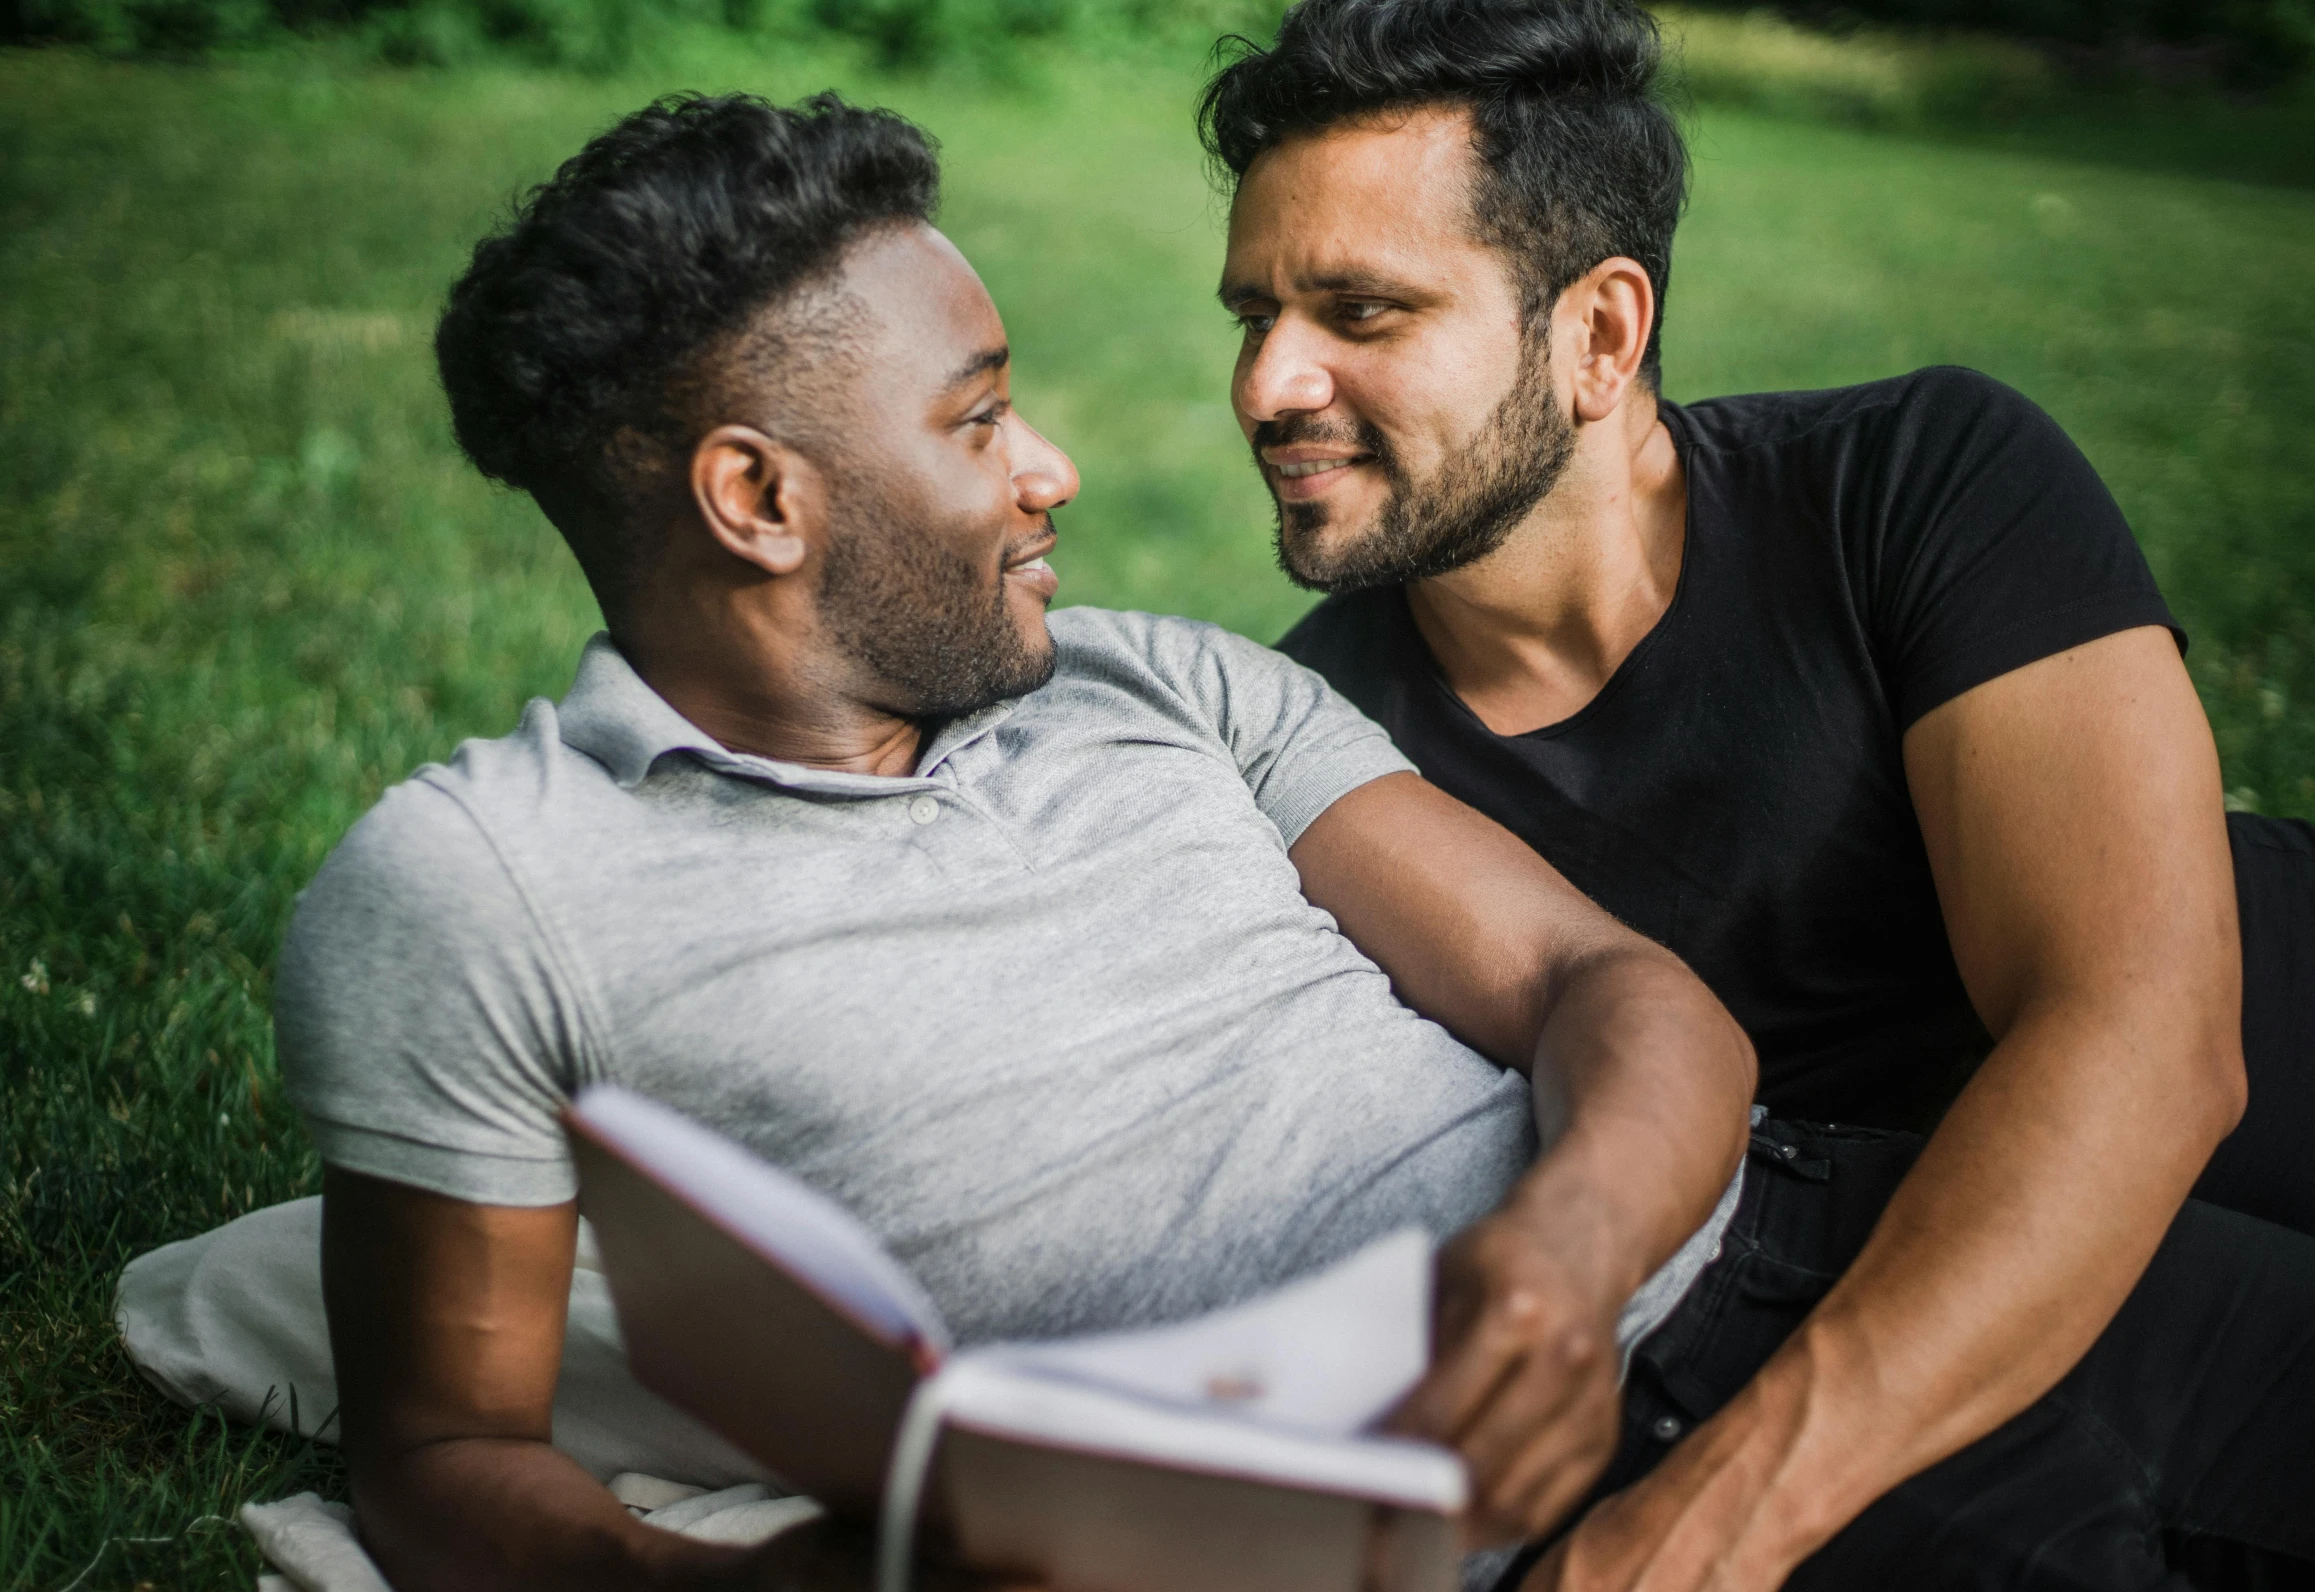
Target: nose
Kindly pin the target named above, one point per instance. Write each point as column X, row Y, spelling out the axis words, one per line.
column 1043, row 477
column 1282, row 375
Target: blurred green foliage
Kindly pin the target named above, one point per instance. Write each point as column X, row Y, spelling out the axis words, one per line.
column 2250, row 43
column 602, row 35
column 2256, row 44
column 1930, row 58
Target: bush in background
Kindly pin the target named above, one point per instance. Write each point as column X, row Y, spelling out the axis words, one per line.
column 1874, row 77
column 2249, row 44
column 1929, row 59
column 601, row 34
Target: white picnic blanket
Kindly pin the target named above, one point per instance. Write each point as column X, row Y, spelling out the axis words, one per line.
column 311, row 1545
column 234, row 1318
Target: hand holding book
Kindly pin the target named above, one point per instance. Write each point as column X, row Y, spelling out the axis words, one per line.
column 1525, row 1384
column 1236, row 1451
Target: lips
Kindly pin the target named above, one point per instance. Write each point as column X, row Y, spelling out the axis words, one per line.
column 1296, row 479
column 1311, row 467
column 1034, row 573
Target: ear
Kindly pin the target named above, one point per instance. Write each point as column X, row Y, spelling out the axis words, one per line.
column 761, row 500
column 1604, row 319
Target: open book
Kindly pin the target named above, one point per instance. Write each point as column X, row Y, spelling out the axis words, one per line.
column 1230, row 1452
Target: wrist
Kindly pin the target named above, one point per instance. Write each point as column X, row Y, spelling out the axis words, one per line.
column 1816, row 1436
column 1598, row 1195
column 1595, row 1236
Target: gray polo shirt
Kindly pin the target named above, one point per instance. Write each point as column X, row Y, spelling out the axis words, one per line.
column 1051, row 1014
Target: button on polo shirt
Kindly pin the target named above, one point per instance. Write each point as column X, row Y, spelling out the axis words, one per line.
column 1050, row 1013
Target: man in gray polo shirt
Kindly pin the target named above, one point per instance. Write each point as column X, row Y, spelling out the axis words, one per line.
column 1112, row 970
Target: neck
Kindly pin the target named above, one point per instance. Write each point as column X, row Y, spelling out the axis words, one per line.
column 758, row 680
column 1529, row 634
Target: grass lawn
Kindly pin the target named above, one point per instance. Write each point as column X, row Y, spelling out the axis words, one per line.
column 245, row 580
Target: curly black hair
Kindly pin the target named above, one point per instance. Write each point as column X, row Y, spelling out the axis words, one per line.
column 578, row 349
column 1580, row 158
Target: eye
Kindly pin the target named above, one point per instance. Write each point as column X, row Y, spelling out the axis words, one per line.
column 993, row 415
column 1256, row 323
column 1357, row 310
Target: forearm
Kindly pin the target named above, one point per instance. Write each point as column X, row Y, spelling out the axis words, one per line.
column 505, row 1514
column 1641, row 1084
column 2029, row 1216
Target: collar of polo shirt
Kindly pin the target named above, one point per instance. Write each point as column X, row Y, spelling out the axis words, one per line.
column 613, row 716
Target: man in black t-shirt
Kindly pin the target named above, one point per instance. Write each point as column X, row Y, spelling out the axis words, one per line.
column 1866, row 703
column 1737, row 786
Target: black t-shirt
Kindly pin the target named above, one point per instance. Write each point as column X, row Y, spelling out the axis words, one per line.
column 1853, row 559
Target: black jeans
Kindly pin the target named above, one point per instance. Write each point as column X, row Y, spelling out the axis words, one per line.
column 2193, row 1415
column 2266, row 1168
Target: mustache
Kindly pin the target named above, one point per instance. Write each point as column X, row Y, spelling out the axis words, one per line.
column 1046, row 531
column 1361, row 434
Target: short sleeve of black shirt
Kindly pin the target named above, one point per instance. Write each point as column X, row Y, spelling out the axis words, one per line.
column 1853, row 559
column 1982, row 539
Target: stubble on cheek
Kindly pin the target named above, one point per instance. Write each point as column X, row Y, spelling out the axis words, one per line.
column 919, row 615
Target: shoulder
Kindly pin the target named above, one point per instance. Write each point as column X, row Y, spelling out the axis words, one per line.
column 427, row 863
column 1924, row 410
column 1163, row 650
column 449, row 809
column 1234, row 696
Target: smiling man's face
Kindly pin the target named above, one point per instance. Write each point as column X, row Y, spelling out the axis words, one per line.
column 934, row 582
column 1396, row 398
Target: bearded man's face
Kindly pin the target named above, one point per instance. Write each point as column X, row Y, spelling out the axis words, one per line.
column 933, row 584
column 910, row 593
column 1395, row 378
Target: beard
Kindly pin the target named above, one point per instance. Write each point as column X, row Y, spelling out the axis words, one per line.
column 900, row 599
column 1462, row 512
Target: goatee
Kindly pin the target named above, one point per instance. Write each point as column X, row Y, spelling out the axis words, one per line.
column 1463, row 512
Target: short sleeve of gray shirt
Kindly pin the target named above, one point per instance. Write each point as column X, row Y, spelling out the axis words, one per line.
column 424, row 1029
column 430, row 1004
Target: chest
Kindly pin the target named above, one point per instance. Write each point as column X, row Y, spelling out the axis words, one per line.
column 1736, row 791
column 854, row 971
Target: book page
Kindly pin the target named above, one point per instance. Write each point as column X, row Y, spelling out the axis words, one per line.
column 977, row 1392
column 1331, row 1353
column 821, row 1243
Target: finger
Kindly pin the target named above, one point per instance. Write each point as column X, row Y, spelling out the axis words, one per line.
column 1472, row 1370
column 950, row 1577
column 945, row 1572
column 1539, row 1464
column 1551, row 1379
column 1457, row 1387
column 1551, row 1484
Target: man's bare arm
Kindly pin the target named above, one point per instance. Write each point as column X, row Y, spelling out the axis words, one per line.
column 2073, row 819
column 446, row 1321
column 1641, row 1079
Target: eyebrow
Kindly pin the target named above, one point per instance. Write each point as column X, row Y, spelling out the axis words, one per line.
column 980, row 364
column 1233, row 294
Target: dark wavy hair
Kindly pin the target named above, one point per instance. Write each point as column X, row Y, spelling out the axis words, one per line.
column 579, row 349
column 1580, row 158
